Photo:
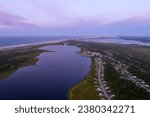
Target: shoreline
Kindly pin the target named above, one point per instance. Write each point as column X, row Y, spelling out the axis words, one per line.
column 81, row 94
column 59, row 41
column 30, row 45
column 25, row 57
column 75, row 85
column 78, row 83
column 84, row 83
column 121, row 41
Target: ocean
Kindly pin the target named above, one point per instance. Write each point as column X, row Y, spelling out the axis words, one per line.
column 12, row 41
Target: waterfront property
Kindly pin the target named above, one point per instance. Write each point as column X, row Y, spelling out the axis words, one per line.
column 115, row 71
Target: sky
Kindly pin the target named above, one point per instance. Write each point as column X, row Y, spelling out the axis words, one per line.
column 74, row 17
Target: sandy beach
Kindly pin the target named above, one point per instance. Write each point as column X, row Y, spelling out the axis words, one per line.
column 29, row 45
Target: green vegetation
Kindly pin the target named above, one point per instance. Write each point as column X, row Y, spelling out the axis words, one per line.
column 11, row 60
column 137, row 60
column 123, row 89
column 136, row 57
column 85, row 90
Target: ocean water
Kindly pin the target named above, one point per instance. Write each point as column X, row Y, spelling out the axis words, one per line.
column 51, row 78
column 119, row 41
column 123, row 41
column 11, row 41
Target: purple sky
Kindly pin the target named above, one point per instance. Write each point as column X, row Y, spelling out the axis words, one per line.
column 74, row 17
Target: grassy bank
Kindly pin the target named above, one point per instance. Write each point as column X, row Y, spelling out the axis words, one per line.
column 85, row 90
column 11, row 60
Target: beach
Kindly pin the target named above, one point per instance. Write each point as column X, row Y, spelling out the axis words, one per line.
column 30, row 45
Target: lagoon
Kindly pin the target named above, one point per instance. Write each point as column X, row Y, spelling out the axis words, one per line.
column 50, row 78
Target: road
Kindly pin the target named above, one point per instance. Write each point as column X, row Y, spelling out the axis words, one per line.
column 100, row 82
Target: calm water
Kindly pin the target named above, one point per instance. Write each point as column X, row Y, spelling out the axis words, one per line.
column 50, row 78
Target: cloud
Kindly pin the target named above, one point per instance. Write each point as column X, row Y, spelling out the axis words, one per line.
column 9, row 19
column 139, row 26
column 132, row 21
